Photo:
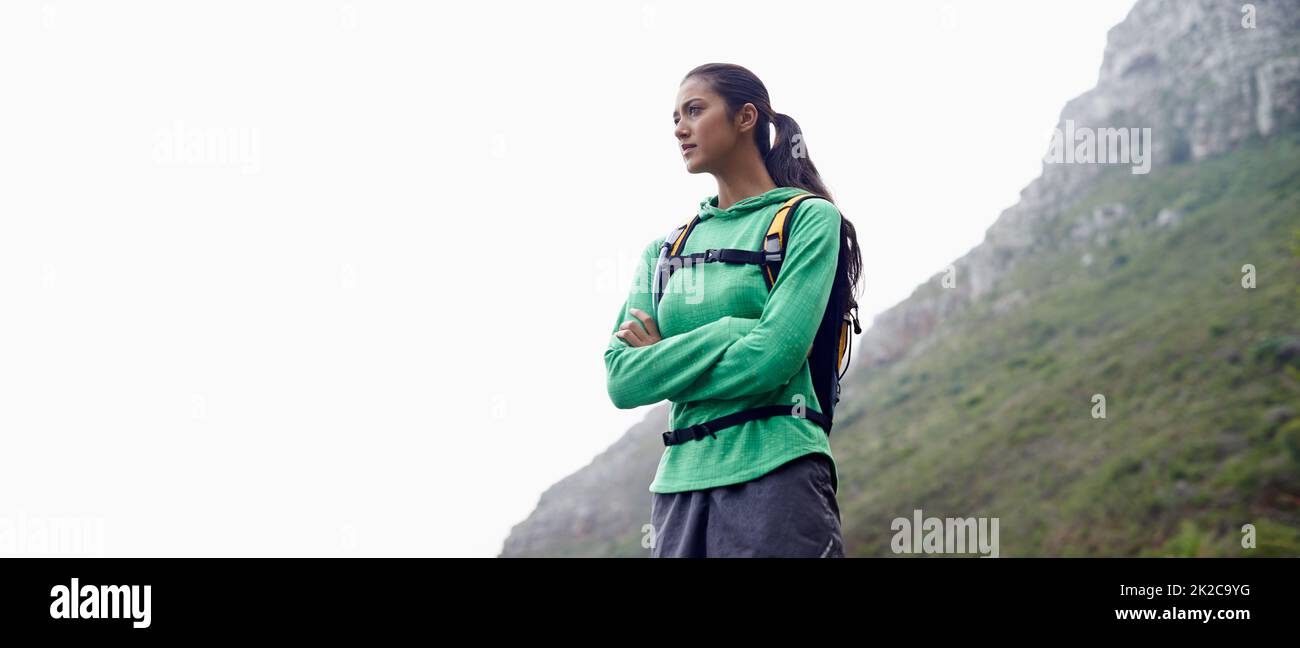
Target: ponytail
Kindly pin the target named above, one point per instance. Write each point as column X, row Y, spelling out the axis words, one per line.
column 787, row 159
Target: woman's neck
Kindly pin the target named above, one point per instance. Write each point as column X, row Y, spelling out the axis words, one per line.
column 735, row 186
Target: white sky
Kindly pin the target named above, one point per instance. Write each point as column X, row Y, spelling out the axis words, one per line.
column 323, row 278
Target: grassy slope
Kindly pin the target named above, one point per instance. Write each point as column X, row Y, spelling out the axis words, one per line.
column 1202, row 432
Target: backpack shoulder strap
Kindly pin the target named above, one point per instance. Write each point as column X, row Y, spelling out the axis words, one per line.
column 774, row 242
column 676, row 239
column 672, row 246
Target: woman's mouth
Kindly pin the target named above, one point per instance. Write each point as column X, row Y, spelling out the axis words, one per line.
column 687, row 148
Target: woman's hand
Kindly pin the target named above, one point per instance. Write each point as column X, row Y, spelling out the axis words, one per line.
column 640, row 334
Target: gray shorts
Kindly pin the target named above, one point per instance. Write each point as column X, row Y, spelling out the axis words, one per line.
column 790, row 512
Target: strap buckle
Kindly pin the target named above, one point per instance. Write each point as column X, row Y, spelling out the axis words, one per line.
column 701, row 430
column 692, row 433
column 772, row 249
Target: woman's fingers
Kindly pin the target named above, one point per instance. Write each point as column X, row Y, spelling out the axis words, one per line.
column 648, row 322
column 641, row 331
column 631, row 332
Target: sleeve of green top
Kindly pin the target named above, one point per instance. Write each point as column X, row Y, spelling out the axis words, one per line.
column 776, row 347
column 637, row 376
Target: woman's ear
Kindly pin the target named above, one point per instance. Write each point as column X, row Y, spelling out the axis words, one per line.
column 746, row 118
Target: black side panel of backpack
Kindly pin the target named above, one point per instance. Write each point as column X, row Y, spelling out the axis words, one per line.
column 824, row 361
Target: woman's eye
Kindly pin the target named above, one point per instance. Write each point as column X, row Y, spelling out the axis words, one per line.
column 692, row 109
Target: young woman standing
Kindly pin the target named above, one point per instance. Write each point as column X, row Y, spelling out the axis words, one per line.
column 719, row 340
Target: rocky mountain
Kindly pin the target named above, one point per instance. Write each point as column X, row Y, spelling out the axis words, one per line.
column 977, row 395
column 599, row 510
column 1188, row 70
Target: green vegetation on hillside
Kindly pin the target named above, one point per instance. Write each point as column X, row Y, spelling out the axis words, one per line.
column 1201, row 379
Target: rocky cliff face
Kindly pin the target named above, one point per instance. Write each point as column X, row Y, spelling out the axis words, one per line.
column 599, row 510
column 1187, row 69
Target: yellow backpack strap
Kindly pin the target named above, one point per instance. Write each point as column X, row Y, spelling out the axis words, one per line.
column 677, row 238
column 845, row 340
column 775, row 239
column 671, row 247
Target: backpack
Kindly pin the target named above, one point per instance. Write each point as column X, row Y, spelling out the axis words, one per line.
column 826, row 357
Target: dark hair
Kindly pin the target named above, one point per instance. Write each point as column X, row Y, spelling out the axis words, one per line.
column 738, row 86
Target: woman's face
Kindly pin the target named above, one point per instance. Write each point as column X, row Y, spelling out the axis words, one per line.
column 704, row 134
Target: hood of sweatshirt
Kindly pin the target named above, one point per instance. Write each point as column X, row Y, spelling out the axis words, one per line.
column 709, row 206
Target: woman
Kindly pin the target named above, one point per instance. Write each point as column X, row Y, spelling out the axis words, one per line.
column 719, row 340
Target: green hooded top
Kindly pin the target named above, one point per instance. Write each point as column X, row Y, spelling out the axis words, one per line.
column 730, row 345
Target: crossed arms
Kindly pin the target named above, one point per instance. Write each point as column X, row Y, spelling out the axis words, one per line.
column 732, row 356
